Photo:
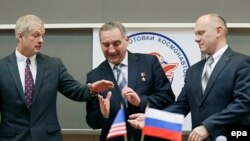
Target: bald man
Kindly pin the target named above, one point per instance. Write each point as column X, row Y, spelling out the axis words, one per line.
column 224, row 99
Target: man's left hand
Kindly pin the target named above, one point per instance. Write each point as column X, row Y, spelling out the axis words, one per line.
column 131, row 96
column 198, row 134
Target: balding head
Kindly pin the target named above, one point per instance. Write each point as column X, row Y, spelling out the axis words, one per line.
column 214, row 21
column 210, row 31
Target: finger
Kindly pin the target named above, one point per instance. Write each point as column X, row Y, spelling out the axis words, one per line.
column 133, row 116
column 132, row 123
column 190, row 136
column 197, row 137
column 126, row 90
column 90, row 87
column 107, row 82
column 109, row 95
column 99, row 97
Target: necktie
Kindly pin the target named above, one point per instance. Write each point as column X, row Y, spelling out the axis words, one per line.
column 29, row 84
column 208, row 72
column 120, row 78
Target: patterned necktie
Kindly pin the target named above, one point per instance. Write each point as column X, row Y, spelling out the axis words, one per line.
column 29, row 84
column 207, row 73
column 120, row 78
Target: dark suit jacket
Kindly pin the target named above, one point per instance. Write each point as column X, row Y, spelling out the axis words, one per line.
column 226, row 98
column 155, row 91
column 40, row 123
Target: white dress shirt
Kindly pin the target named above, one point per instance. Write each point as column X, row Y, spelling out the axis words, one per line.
column 21, row 63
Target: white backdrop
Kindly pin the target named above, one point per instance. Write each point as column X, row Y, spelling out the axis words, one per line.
column 175, row 48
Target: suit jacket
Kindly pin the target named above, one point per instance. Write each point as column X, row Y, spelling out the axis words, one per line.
column 226, row 97
column 40, row 123
column 155, row 91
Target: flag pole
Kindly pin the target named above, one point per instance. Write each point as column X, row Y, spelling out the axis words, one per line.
column 142, row 135
column 125, row 136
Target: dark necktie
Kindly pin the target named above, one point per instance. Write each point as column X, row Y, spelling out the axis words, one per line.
column 207, row 73
column 29, row 84
column 120, row 78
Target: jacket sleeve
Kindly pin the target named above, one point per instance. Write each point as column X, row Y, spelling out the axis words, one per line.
column 94, row 116
column 69, row 87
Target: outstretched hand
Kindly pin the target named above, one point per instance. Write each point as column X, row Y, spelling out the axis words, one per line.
column 104, row 104
column 100, row 86
column 137, row 120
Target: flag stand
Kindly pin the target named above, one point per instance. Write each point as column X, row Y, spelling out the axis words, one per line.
column 125, row 137
column 142, row 137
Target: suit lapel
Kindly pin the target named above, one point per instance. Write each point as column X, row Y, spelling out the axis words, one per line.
column 198, row 82
column 12, row 65
column 225, row 58
column 39, row 76
column 133, row 70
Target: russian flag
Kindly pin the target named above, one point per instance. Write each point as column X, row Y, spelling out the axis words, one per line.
column 118, row 127
column 163, row 124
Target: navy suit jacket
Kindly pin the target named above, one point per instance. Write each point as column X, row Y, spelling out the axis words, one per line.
column 40, row 123
column 226, row 98
column 155, row 91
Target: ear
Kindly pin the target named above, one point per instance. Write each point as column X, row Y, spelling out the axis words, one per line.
column 19, row 35
column 127, row 38
column 219, row 31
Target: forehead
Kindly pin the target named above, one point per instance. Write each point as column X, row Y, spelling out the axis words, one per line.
column 37, row 28
column 201, row 25
column 111, row 35
column 203, row 22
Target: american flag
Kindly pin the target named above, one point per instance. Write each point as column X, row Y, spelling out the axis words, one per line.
column 118, row 127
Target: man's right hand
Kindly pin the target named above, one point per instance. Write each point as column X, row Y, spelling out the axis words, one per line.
column 100, row 86
column 137, row 120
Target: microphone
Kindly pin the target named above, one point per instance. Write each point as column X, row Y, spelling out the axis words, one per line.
column 221, row 138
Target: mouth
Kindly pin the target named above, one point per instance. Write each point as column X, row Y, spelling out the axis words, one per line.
column 38, row 47
column 112, row 55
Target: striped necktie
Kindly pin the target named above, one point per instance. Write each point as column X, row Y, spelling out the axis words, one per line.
column 120, row 78
column 207, row 73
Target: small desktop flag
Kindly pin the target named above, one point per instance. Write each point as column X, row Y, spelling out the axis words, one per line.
column 163, row 124
column 118, row 127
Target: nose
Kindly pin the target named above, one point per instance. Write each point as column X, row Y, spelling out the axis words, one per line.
column 197, row 39
column 41, row 39
column 111, row 49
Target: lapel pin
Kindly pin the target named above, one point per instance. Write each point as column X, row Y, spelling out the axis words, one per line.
column 143, row 76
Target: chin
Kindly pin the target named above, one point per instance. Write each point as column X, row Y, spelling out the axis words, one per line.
column 37, row 51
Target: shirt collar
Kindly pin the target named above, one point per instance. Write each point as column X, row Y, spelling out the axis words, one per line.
column 219, row 53
column 22, row 58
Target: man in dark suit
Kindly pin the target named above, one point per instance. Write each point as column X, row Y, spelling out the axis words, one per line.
column 143, row 77
column 225, row 99
column 29, row 82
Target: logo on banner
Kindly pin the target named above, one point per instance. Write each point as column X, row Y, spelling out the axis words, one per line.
column 173, row 59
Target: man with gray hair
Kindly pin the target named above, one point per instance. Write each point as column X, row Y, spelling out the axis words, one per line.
column 29, row 82
column 139, row 80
